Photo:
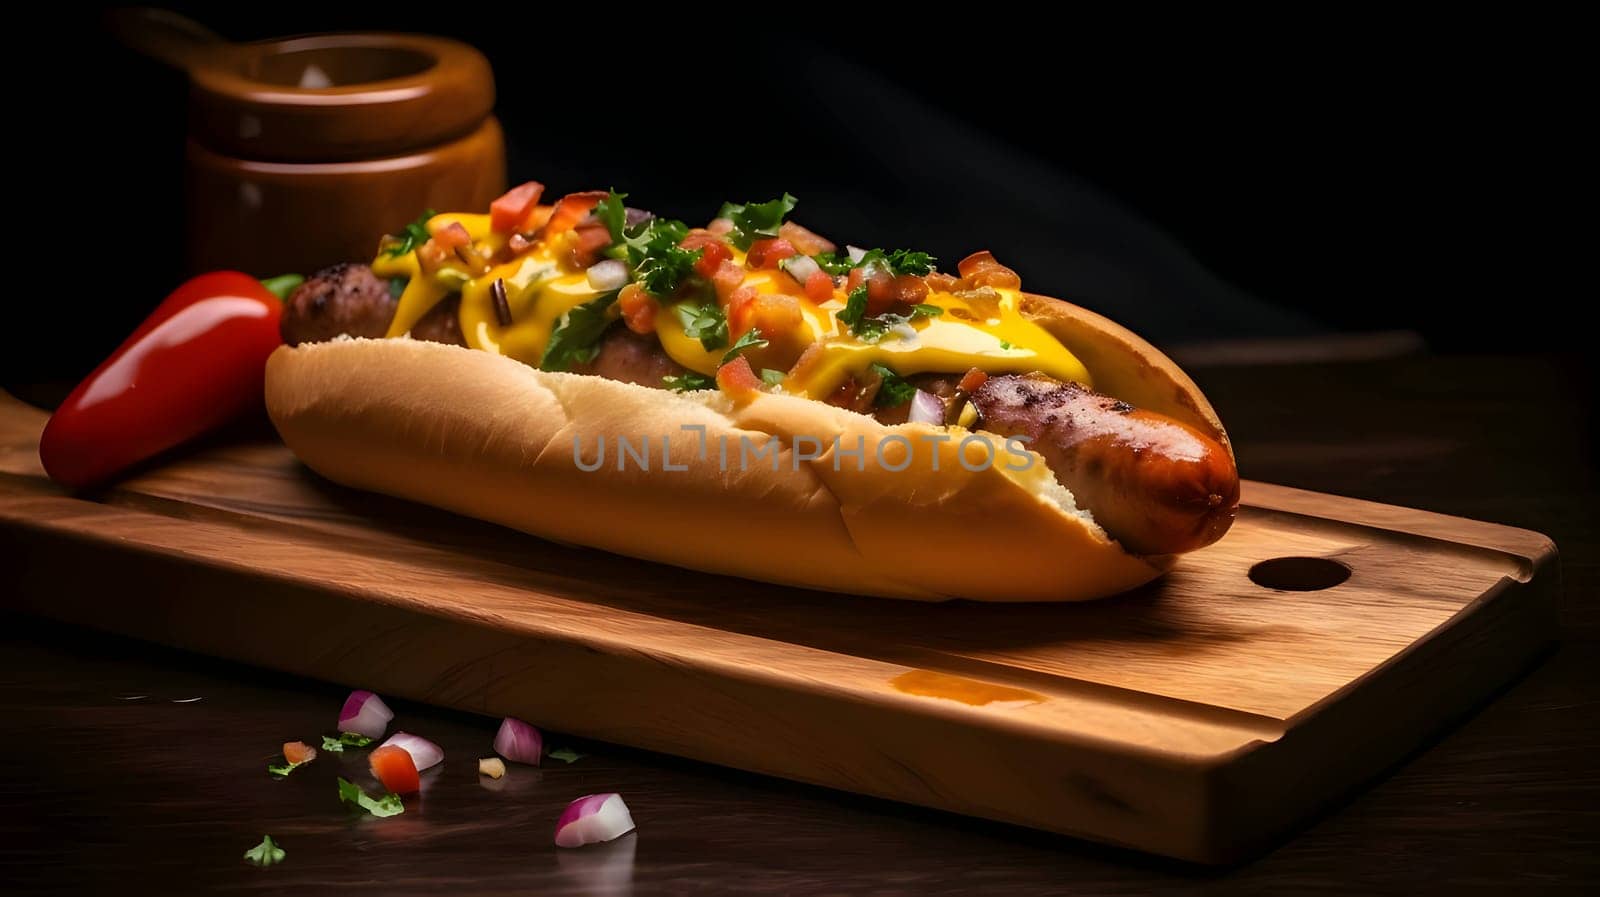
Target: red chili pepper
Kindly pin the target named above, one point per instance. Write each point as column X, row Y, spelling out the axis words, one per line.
column 196, row 363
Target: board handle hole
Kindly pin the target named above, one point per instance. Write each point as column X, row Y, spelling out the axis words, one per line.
column 1299, row 574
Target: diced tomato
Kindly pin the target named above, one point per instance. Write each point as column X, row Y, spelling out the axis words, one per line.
column 720, row 226
column 940, row 282
column 740, row 310
column 880, row 288
column 809, row 359
column 728, row 277
column 592, row 236
column 909, row 289
column 431, row 256
column 298, row 752
column 803, row 240
column 971, row 381
column 713, row 251
column 509, row 211
column 981, row 270
column 570, row 210
column 776, row 315
column 819, row 287
column 853, row 395
column 395, row 769
column 768, row 253
column 737, row 380
column 452, row 235
column 638, row 308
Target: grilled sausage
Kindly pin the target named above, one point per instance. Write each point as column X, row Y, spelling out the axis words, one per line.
column 631, row 358
column 1155, row 484
column 349, row 300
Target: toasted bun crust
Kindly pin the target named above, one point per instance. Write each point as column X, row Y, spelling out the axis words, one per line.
column 487, row 436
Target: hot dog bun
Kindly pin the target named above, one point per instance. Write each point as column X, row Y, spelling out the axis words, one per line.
column 489, row 437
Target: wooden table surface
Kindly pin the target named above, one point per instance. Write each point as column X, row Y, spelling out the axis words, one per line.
column 137, row 769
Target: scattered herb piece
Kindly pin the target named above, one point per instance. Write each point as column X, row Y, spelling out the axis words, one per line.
column 835, row 263
column 1005, row 345
column 566, row 755
column 872, row 329
column 750, row 340
column 282, row 769
column 387, row 805
column 345, row 739
column 706, row 323
column 411, row 236
column 773, row 377
column 576, row 337
column 266, row 853
column 689, row 381
column 753, row 221
column 894, row 390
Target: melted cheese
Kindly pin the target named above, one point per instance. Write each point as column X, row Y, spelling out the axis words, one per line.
column 973, row 332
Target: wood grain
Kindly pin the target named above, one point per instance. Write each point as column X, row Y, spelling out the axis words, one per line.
column 1196, row 718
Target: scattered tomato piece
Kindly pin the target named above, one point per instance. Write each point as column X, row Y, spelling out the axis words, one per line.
column 452, row 235
column 570, row 210
column 298, row 752
column 394, row 767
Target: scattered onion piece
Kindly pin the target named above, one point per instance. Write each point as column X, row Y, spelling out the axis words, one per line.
column 592, row 819
column 493, row 767
column 365, row 713
column 926, row 408
column 856, row 253
column 519, row 742
column 424, row 753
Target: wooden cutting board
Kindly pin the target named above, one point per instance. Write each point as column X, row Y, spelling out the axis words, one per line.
column 1200, row 717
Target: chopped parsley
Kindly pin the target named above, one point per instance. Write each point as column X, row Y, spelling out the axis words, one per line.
column 751, row 340
column 411, row 236
column 345, row 739
column 566, row 755
column 894, row 389
column 689, row 381
column 1005, row 345
column 872, row 329
column 756, row 220
column 706, row 323
column 387, row 805
column 576, row 337
column 266, row 853
column 773, row 377
column 894, row 261
column 650, row 248
column 282, row 769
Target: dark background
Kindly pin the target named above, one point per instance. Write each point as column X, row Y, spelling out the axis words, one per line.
column 1196, row 180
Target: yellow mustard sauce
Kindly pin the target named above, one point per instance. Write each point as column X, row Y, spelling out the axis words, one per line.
column 989, row 334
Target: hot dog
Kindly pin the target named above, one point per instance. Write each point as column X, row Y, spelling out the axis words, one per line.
column 1102, row 458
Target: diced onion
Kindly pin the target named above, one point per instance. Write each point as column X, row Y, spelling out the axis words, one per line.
column 800, row 267
column 519, row 742
column 904, row 331
column 364, row 713
column 424, row 753
column 856, row 253
column 926, row 408
column 592, row 819
column 608, row 275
